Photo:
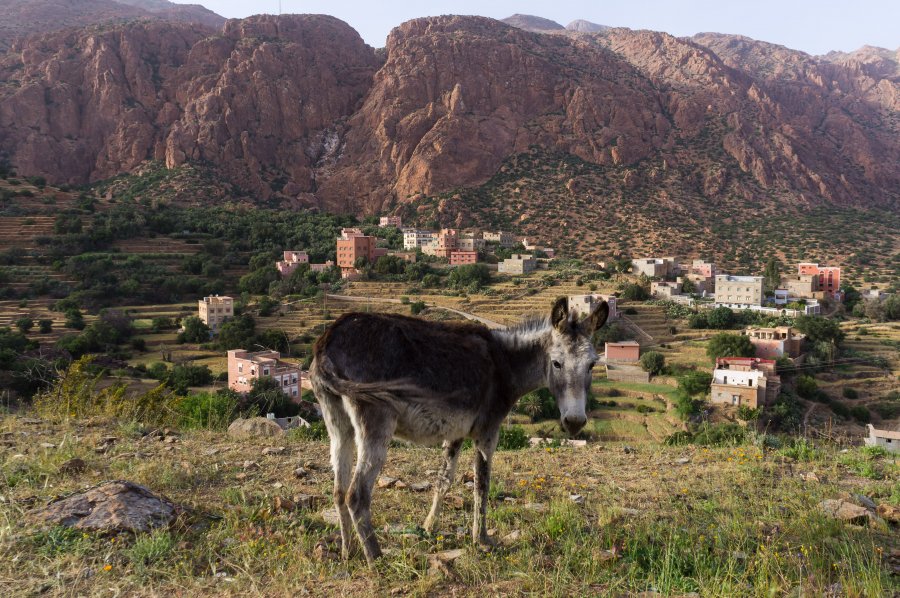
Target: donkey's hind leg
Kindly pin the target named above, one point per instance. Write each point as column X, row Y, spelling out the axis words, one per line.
column 444, row 481
column 375, row 425
column 340, row 432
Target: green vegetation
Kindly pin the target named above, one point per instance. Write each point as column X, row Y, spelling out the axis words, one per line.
column 729, row 345
column 653, row 362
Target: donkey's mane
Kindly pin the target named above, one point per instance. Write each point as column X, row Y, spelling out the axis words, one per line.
column 525, row 333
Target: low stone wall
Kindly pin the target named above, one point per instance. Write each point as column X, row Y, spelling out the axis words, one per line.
column 626, row 373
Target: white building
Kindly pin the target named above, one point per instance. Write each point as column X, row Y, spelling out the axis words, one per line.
column 214, row 311
column 518, row 263
column 390, row 221
column 886, row 439
column 417, row 239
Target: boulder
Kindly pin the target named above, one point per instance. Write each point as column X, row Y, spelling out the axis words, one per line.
column 847, row 511
column 254, row 427
column 118, row 506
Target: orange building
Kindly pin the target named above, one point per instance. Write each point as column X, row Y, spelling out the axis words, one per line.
column 623, row 351
column 829, row 277
column 353, row 246
column 458, row 258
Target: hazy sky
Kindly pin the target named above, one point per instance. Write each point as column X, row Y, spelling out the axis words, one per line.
column 814, row 26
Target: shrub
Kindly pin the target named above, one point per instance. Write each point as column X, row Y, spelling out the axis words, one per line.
column 195, row 331
column 807, row 387
column 653, row 362
column 207, row 410
column 316, row 432
column 25, row 324
column 695, row 383
column 634, row 292
column 726, row 434
column 183, row 376
column 748, row 413
column 850, row 393
column 512, row 438
column 720, row 318
column 45, row 326
column 139, row 344
column 416, row 307
column 161, row 323
column 861, row 414
column 729, row 345
column 538, row 405
column 840, row 409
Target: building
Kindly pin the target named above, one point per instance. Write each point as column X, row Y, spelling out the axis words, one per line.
column 417, row 239
column 458, row 258
column 390, row 221
column 291, row 261
column 503, row 238
column 321, row 267
column 518, row 263
column 703, row 268
column 471, row 242
column 802, row 285
column 829, row 278
column 352, row 247
column 443, row 244
column 214, row 311
column 584, row 304
column 347, row 233
column 406, row 256
column 738, row 291
column 665, row 290
column 772, row 343
column 887, row 439
column 656, row 267
column 624, row 351
column 744, row 381
column 245, row 367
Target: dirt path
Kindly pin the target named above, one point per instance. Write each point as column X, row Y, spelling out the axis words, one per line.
column 812, row 407
column 485, row 321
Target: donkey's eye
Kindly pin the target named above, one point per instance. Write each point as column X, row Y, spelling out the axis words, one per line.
column 557, row 364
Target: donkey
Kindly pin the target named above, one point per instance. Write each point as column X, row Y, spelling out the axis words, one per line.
column 380, row 375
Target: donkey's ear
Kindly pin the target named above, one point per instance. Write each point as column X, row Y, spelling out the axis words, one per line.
column 559, row 315
column 596, row 318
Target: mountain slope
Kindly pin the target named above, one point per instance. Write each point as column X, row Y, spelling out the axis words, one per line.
column 299, row 109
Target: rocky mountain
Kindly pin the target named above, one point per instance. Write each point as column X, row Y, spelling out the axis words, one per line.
column 532, row 23
column 299, row 109
column 582, row 26
column 25, row 17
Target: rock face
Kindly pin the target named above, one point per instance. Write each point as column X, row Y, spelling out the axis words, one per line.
column 112, row 507
column 583, row 26
column 300, row 109
column 532, row 23
column 254, row 427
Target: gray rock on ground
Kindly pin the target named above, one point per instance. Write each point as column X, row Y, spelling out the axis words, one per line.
column 118, row 506
column 254, row 427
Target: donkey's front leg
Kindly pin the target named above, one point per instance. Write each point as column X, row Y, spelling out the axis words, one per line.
column 444, row 481
column 484, row 453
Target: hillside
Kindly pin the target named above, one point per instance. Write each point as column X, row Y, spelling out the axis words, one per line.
column 26, row 17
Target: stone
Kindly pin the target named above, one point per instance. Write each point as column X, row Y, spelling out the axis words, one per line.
column 511, row 538
column 537, row 507
column 577, row 499
column 888, row 512
column 331, row 516
column 629, row 450
column 73, row 466
column 683, row 461
column 420, row 487
column 846, row 511
column 308, row 501
column 254, row 427
column 864, row 501
column 300, row 473
column 250, row 465
column 118, row 506
column 47, row 445
column 386, row 482
column 274, row 450
column 809, row 477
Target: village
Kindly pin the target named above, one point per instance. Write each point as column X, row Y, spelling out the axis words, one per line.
column 737, row 381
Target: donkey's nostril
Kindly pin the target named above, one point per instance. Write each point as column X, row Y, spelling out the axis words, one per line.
column 574, row 423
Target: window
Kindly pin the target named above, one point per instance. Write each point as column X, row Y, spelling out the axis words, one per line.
column 294, row 392
column 265, row 371
column 240, row 367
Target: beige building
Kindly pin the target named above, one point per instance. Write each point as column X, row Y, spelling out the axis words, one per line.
column 889, row 440
column 584, row 304
column 390, row 221
column 417, row 239
column 665, row 290
column 772, row 343
column 747, row 381
column 245, row 367
column 655, row 267
column 739, row 290
column 471, row 242
column 803, row 285
column 215, row 310
column 518, row 263
column 505, row 239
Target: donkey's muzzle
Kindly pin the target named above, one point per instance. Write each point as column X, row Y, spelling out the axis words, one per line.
column 573, row 423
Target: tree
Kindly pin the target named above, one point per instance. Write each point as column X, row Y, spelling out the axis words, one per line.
column 237, row 333
column 266, row 396
column 183, row 376
column 258, row 281
column 771, row 275
column 74, row 319
column 634, row 292
column 45, row 326
column 818, row 329
column 695, row 383
column 195, row 331
column 725, row 344
column 720, row 318
column 469, row 275
column 416, row 307
column 892, row 307
column 389, row 264
column 653, row 362
column 25, row 324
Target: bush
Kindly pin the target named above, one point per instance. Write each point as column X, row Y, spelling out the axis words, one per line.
column 653, row 362
column 160, row 323
column 840, row 410
column 695, row 383
column 729, row 345
column 512, row 438
column 207, row 410
column 183, row 376
column 748, row 413
column 726, row 434
column 195, row 331
column 850, row 393
column 538, row 405
column 416, row 307
column 469, row 276
column 139, row 344
column 807, row 387
column 316, row 432
column 860, row 414
column 45, row 326
column 634, row 292
column 25, row 324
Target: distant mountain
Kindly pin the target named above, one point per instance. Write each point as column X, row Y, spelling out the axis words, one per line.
column 21, row 18
column 299, row 109
column 877, row 61
column 533, row 23
column 582, row 26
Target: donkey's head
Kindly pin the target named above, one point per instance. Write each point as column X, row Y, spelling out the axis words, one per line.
column 571, row 357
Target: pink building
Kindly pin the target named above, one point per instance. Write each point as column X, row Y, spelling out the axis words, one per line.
column 292, row 259
column 321, row 267
column 352, row 247
column 347, row 233
column 704, row 269
column 829, row 277
column 444, row 243
column 458, row 258
column 627, row 351
column 772, row 343
column 245, row 367
column 390, row 221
